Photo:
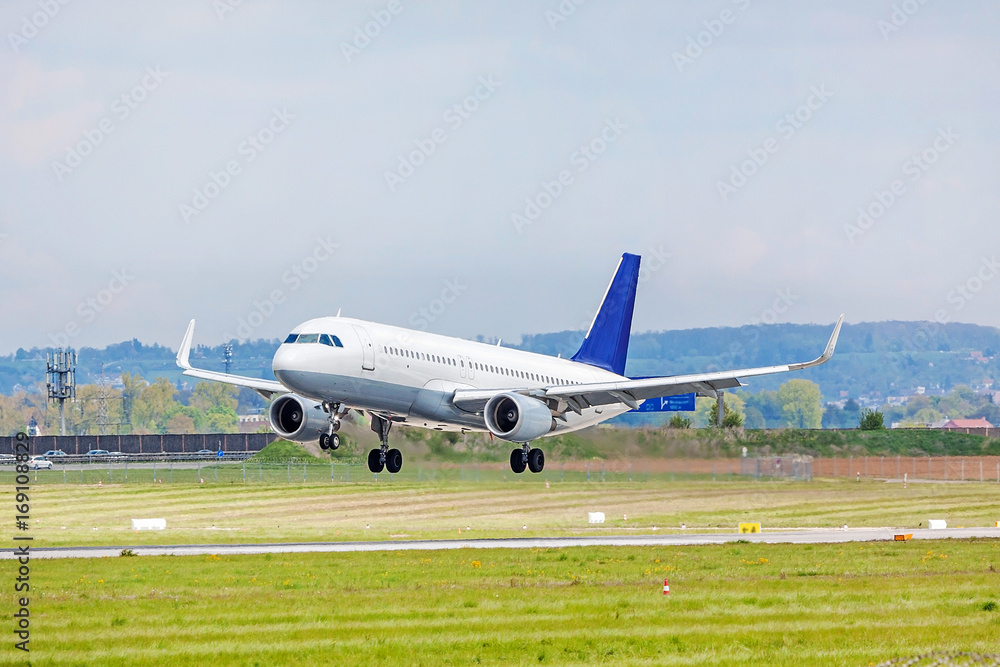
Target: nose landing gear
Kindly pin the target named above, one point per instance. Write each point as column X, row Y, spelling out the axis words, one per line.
column 330, row 439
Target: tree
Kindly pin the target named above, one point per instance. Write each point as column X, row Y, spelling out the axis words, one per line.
column 209, row 395
column 754, row 419
column 11, row 418
column 871, row 420
column 767, row 405
column 800, row 404
column 180, row 423
column 732, row 416
column 132, row 386
column 917, row 403
column 680, row 421
column 221, row 420
column 154, row 405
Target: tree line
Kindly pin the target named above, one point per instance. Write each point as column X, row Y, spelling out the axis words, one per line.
column 136, row 407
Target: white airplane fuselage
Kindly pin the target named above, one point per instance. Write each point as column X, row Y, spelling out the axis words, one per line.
column 330, row 365
column 412, row 375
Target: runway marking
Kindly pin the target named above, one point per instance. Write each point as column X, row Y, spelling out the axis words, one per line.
column 821, row 536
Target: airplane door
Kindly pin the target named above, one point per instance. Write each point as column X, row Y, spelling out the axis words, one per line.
column 472, row 367
column 461, row 366
column 367, row 349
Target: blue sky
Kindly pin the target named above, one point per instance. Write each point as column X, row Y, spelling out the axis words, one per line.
column 478, row 168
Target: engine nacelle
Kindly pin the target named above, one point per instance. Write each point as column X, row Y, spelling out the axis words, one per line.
column 298, row 419
column 518, row 418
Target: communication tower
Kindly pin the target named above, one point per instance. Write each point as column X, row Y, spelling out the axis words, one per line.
column 60, row 370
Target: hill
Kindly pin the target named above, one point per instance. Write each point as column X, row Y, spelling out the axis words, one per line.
column 874, row 359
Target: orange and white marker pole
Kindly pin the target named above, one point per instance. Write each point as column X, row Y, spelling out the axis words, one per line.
column 666, row 587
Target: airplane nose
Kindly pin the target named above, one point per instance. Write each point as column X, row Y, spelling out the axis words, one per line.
column 283, row 360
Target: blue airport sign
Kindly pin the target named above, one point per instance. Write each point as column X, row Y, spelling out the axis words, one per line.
column 679, row 403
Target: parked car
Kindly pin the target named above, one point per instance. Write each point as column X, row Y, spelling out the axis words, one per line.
column 7, row 459
column 117, row 455
column 97, row 452
column 52, row 453
column 38, row 463
column 205, row 452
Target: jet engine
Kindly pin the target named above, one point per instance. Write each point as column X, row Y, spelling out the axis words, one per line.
column 518, row 418
column 296, row 418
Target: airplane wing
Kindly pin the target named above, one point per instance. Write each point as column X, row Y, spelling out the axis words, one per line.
column 632, row 392
column 265, row 388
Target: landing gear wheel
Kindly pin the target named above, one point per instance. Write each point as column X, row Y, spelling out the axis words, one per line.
column 393, row 460
column 536, row 460
column 375, row 461
column 324, row 441
column 517, row 461
column 334, row 441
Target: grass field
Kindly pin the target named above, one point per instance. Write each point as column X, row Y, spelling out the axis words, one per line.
column 739, row 603
column 74, row 515
column 614, row 442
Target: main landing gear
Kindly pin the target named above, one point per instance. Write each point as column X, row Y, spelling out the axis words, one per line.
column 389, row 459
column 329, row 438
column 526, row 457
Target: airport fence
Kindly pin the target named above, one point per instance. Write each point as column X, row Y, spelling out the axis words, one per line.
column 294, row 471
column 942, row 468
column 76, row 445
column 238, row 470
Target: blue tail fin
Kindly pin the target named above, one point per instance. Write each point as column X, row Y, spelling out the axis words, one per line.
column 606, row 343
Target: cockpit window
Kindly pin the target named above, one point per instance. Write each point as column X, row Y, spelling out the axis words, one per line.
column 323, row 339
column 331, row 340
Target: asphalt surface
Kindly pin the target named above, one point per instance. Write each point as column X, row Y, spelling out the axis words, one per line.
column 804, row 536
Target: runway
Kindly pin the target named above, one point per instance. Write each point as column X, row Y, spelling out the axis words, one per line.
column 804, row 536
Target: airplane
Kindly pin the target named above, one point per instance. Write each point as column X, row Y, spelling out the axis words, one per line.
column 330, row 365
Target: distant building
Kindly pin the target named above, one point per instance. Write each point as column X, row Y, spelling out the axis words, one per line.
column 967, row 423
column 252, row 423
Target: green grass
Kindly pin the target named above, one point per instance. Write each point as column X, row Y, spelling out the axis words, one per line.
column 612, row 442
column 733, row 604
column 889, row 442
column 608, row 442
column 74, row 515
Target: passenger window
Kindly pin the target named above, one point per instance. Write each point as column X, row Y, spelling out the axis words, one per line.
column 291, row 338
